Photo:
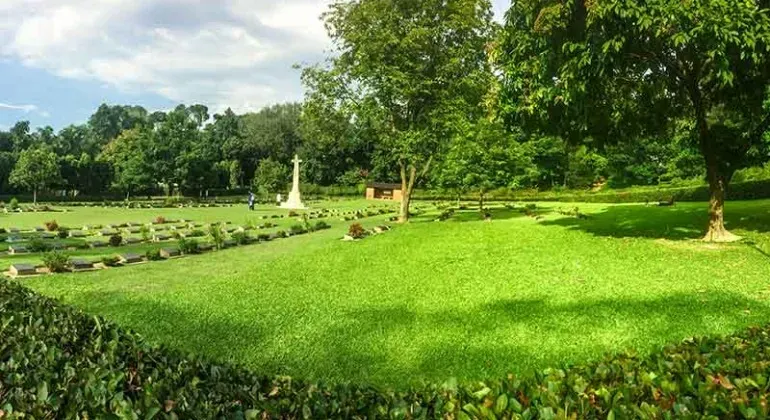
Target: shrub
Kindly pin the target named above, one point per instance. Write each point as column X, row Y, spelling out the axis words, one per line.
column 116, row 240
column 51, row 226
column 144, row 230
column 112, row 261
column 217, row 235
column 13, row 204
column 38, row 245
column 281, row 234
column 56, row 261
column 189, row 246
column 297, row 229
column 356, row 231
column 159, row 220
column 153, row 255
column 263, row 237
column 63, row 232
column 721, row 377
column 241, row 238
column 293, row 213
column 321, row 225
column 196, row 233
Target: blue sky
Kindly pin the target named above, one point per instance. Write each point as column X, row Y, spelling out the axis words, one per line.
column 60, row 59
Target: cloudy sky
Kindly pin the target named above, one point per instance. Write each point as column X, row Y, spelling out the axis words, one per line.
column 59, row 59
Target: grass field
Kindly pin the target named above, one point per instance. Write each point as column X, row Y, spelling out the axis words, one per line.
column 430, row 300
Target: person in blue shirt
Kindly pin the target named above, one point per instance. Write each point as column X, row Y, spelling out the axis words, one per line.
column 251, row 200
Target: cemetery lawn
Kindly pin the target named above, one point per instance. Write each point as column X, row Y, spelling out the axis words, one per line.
column 463, row 299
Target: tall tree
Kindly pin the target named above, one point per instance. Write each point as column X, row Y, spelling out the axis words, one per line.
column 621, row 70
column 129, row 157
column 414, row 68
column 36, row 169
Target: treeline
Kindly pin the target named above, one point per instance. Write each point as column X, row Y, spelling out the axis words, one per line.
column 128, row 150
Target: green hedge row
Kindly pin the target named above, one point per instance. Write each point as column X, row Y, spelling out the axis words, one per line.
column 750, row 190
column 56, row 362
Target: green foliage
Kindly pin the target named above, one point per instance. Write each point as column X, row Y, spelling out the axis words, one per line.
column 56, row 261
column 110, row 261
column 116, row 240
column 63, row 232
column 51, row 226
column 297, row 229
column 36, row 169
column 196, row 233
column 710, row 377
column 241, row 238
column 217, row 235
column 271, row 176
column 38, row 245
column 13, row 204
column 144, row 230
column 153, row 255
column 321, row 225
column 189, row 246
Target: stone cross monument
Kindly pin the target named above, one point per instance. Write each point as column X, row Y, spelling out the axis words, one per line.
column 294, row 201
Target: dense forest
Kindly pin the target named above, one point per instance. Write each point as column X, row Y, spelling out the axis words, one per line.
column 439, row 95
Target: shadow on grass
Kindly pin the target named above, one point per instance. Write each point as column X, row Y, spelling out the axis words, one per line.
column 684, row 221
column 395, row 345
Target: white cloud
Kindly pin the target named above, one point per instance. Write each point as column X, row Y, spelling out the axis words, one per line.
column 236, row 53
column 24, row 108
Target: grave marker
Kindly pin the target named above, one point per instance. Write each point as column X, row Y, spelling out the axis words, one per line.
column 22, row 269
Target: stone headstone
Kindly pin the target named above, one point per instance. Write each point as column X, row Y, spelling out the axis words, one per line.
column 131, row 241
column 79, row 264
column 107, row 232
column 77, row 234
column 205, row 247
column 39, row 229
column 22, row 269
column 98, row 244
column 160, row 237
column 13, row 230
column 228, row 243
column 134, row 229
column 17, row 249
column 169, row 252
column 47, row 235
column 131, row 258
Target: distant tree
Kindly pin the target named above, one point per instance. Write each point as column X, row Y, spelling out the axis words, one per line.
column 271, row 176
column 413, row 69
column 199, row 113
column 36, row 169
column 129, row 158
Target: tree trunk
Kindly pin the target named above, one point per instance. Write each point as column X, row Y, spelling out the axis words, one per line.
column 481, row 201
column 406, row 193
column 128, row 194
column 717, row 187
column 34, row 196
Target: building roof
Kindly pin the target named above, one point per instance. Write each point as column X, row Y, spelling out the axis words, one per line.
column 383, row 186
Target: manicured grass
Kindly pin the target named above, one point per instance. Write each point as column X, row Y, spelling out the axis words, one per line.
column 436, row 300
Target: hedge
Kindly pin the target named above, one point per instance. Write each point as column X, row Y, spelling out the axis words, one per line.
column 750, row 190
column 57, row 362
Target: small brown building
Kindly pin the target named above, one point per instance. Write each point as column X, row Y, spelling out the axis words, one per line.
column 383, row 191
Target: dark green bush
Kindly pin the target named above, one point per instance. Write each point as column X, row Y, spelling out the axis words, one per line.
column 116, row 240
column 38, row 245
column 263, row 237
column 153, row 255
column 196, row 233
column 321, row 225
column 63, row 232
column 56, row 261
column 13, row 204
column 91, row 368
column 297, row 229
column 112, row 261
column 241, row 238
column 189, row 246
column 356, row 231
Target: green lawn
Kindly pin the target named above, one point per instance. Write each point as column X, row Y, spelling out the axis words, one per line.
column 435, row 300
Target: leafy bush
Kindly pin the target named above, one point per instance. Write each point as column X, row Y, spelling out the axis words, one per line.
column 281, row 234
column 189, row 246
column 196, row 233
column 241, row 238
column 153, row 255
column 38, row 245
column 321, row 225
column 217, row 235
column 63, row 232
column 116, row 240
column 144, row 230
column 51, row 226
column 356, row 231
column 263, row 237
column 126, row 376
column 293, row 213
column 297, row 229
column 159, row 220
column 112, row 261
column 13, row 204
column 56, row 261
